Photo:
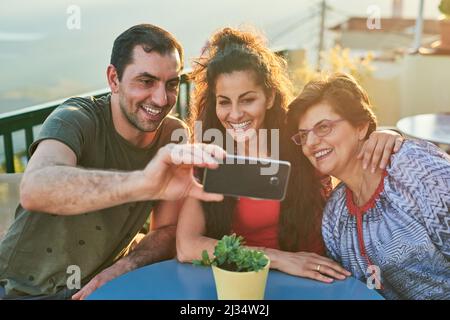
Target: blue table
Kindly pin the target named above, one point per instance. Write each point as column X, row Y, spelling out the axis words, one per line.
column 172, row 280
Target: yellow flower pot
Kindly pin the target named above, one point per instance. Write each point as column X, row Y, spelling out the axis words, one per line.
column 231, row 285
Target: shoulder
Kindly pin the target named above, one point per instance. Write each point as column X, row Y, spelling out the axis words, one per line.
column 419, row 148
column 74, row 122
column 79, row 108
column 419, row 156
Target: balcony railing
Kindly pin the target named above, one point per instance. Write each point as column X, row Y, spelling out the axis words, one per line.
column 24, row 120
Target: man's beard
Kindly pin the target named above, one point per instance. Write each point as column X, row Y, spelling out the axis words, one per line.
column 133, row 119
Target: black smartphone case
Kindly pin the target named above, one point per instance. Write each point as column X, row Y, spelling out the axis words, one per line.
column 246, row 179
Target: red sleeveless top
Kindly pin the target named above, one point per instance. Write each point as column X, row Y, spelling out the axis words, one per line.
column 257, row 221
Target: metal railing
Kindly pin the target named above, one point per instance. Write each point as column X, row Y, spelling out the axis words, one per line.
column 27, row 118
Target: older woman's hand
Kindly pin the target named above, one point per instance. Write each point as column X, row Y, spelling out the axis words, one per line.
column 306, row 264
column 377, row 150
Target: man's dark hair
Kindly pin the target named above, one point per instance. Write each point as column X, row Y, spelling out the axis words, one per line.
column 150, row 37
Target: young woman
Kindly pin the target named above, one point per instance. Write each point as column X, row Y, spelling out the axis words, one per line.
column 389, row 227
column 241, row 87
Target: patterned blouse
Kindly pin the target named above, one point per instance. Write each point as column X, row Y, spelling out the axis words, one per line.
column 404, row 230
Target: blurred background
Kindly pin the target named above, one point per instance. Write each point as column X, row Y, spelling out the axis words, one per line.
column 41, row 59
column 51, row 50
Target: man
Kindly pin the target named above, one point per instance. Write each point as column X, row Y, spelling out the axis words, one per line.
column 96, row 168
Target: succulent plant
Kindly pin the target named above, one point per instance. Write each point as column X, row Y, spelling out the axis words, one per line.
column 229, row 254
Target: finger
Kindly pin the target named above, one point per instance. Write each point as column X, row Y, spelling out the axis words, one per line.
column 204, row 153
column 376, row 155
column 196, row 191
column 324, row 261
column 398, row 144
column 332, row 269
column 80, row 295
column 83, row 296
column 338, row 268
column 204, row 161
column 388, row 148
column 196, row 157
column 215, row 151
column 86, row 291
column 192, row 155
column 90, row 287
column 327, row 270
column 361, row 152
column 208, row 155
column 368, row 151
column 199, row 154
column 318, row 276
column 210, row 150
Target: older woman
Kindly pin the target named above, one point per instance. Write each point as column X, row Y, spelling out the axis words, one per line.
column 390, row 227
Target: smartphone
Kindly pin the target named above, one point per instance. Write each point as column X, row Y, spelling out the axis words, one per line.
column 250, row 177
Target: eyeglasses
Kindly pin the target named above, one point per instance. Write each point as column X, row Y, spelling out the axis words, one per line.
column 320, row 130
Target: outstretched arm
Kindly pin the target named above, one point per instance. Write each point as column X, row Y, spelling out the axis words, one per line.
column 52, row 183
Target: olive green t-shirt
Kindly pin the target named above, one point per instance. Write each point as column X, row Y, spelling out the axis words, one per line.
column 39, row 248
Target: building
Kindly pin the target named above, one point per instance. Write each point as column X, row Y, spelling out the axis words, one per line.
column 404, row 82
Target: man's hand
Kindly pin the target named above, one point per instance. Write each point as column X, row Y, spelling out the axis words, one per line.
column 377, row 150
column 117, row 269
column 170, row 173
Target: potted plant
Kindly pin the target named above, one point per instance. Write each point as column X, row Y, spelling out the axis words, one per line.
column 444, row 8
column 239, row 272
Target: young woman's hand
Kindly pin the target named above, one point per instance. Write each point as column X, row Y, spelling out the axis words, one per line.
column 307, row 265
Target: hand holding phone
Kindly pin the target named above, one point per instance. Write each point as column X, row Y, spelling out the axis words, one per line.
column 258, row 178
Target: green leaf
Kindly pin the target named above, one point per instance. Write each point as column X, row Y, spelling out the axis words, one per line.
column 205, row 258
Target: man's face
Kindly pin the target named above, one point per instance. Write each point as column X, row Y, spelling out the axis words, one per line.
column 149, row 88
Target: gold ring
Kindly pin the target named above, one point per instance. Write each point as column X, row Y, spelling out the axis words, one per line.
column 318, row 268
